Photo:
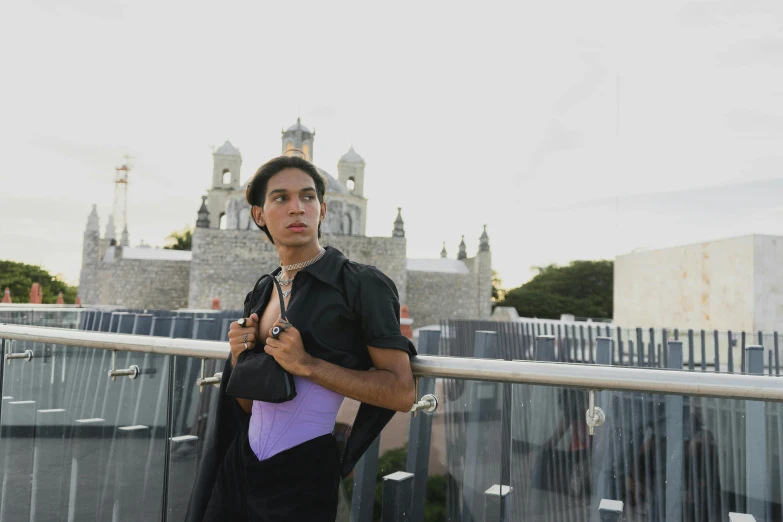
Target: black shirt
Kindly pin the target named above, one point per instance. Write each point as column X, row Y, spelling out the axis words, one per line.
column 340, row 308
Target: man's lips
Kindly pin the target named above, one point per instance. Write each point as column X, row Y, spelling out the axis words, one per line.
column 297, row 227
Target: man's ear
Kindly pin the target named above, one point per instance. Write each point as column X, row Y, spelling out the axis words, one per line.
column 323, row 210
column 258, row 215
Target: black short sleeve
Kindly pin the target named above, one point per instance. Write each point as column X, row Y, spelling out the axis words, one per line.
column 378, row 309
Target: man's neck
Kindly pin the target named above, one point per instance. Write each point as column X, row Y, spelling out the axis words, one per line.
column 299, row 254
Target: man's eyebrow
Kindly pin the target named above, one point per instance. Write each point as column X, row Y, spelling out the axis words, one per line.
column 284, row 191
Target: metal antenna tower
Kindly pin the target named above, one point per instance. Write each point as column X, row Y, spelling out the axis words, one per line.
column 120, row 210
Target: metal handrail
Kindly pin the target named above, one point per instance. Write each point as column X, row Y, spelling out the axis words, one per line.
column 113, row 341
column 15, row 307
column 587, row 376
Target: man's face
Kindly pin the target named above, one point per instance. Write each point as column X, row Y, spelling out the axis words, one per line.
column 291, row 210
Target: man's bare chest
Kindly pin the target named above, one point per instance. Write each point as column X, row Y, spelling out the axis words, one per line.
column 270, row 316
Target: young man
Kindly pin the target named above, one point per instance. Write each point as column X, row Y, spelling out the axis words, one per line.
column 280, row 462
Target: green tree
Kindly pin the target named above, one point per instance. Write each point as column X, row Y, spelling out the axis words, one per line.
column 19, row 278
column 582, row 288
column 180, row 240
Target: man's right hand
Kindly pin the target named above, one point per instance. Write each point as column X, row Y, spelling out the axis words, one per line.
column 240, row 339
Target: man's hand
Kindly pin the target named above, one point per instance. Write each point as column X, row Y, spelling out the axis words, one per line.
column 289, row 350
column 240, row 339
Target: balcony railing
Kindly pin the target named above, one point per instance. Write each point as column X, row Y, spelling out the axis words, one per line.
column 509, row 440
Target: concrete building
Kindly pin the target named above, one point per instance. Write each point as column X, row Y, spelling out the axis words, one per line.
column 229, row 252
column 731, row 284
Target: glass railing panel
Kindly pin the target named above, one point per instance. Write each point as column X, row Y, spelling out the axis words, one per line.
column 455, row 455
column 77, row 445
column 17, row 429
column 192, row 415
column 666, row 457
column 361, row 493
column 16, row 316
column 45, row 316
column 465, row 451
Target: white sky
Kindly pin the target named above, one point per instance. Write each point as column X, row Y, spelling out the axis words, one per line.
column 503, row 114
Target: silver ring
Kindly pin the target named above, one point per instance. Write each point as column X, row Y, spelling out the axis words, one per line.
column 245, row 343
column 242, row 322
column 245, row 338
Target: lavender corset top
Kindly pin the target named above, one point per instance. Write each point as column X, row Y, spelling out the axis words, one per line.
column 277, row 427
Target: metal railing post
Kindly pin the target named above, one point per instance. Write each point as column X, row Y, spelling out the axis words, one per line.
column 756, row 481
column 496, row 504
column 545, row 348
column 142, row 325
column 674, row 441
column 181, row 327
column 205, row 329
column 420, row 432
column 602, row 442
column 397, row 497
column 610, row 510
column 482, row 401
column 363, row 498
column 604, row 351
column 161, row 326
column 125, row 323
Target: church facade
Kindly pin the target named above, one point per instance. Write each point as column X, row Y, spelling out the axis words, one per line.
column 229, row 252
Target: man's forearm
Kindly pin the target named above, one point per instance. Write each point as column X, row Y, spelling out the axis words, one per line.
column 379, row 387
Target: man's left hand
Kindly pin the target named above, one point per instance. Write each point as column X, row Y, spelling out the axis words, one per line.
column 289, row 350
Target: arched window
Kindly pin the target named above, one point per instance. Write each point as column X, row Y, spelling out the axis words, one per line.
column 347, row 225
column 351, row 185
column 306, row 151
column 223, row 221
column 226, row 177
column 288, row 146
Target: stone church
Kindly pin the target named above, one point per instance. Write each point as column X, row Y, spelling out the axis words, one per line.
column 229, row 252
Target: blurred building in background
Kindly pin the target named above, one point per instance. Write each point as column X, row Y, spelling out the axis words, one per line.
column 729, row 284
column 229, row 252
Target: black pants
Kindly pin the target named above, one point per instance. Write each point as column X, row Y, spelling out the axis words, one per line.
column 300, row 484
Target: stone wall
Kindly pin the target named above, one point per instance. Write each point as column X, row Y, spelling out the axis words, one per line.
column 433, row 296
column 136, row 283
column 226, row 263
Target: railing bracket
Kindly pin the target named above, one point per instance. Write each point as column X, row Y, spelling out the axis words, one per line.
column 594, row 416
column 427, row 404
column 26, row 355
column 131, row 372
column 203, row 380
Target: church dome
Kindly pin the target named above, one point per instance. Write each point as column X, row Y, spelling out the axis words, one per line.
column 227, row 149
column 298, row 126
column 351, row 157
column 332, row 185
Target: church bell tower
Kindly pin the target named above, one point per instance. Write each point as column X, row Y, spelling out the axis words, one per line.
column 299, row 137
